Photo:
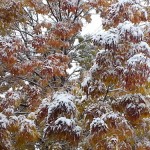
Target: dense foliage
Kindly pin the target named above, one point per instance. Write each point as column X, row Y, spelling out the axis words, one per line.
column 107, row 107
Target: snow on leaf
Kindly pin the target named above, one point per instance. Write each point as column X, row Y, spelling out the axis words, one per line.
column 133, row 105
column 26, row 125
column 3, row 121
column 138, row 59
column 129, row 31
column 32, row 115
column 141, row 47
column 43, row 109
column 94, row 68
column 123, row 2
column 109, row 39
column 98, row 123
column 86, row 81
column 13, row 119
column 137, row 33
column 63, row 95
column 112, row 142
column 138, row 98
column 62, row 103
column 77, row 130
column 64, row 121
column 9, row 111
column 63, row 126
column 125, row 28
column 144, row 46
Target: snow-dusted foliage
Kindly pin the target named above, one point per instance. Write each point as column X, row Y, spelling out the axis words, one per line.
column 124, row 61
column 123, row 32
column 65, row 128
column 118, row 111
column 86, row 81
column 3, row 121
column 138, row 59
column 96, row 110
column 141, row 47
column 109, row 39
column 18, row 127
column 35, row 39
column 41, row 108
column 59, row 112
column 62, row 104
column 134, row 107
column 109, row 125
column 117, row 12
column 98, row 125
column 129, row 31
column 110, row 120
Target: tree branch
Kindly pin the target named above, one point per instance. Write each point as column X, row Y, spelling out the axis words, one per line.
column 52, row 11
column 59, row 4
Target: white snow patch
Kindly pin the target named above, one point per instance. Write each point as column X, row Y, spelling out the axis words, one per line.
column 86, row 81
column 138, row 58
column 3, row 121
column 98, row 122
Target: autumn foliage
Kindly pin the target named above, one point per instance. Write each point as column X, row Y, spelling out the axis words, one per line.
column 118, row 82
column 107, row 107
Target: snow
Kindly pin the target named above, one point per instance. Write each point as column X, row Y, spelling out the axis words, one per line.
column 135, row 98
column 45, row 102
column 72, row 2
column 144, row 46
column 98, row 122
column 48, row 64
column 66, row 124
column 63, row 95
column 62, row 100
column 94, row 68
column 3, row 121
column 86, row 81
column 138, row 7
column 123, row 2
column 137, row 32
column 125, row 27
column 139, row 59
column 27, row 125
column 13, row 119
column 141, row 105
column 77, row 130
column 65, row 121
column 15, row 95
column 83, row 98
column 145, row 142
column 141, row 47
column 109, row 37
column 101, row 52
column 9, row 110
column 21, row 118
column 131, row 105
column 112, row 142
column 112, row 115
column 32, row 115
